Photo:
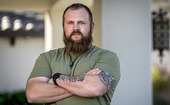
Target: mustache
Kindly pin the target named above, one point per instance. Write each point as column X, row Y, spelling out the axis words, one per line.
column 76, row 32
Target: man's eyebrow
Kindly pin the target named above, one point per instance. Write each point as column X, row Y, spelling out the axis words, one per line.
column 84, row 21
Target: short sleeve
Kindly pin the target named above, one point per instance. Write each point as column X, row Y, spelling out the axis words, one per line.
column 41, row 67
column 109, row 61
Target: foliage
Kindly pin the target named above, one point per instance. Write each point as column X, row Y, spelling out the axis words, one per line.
column 18, row 98
column 160, row 82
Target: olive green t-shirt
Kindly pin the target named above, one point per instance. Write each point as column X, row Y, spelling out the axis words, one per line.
column 60, row 61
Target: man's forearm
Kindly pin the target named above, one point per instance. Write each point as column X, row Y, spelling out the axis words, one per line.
column 78, row 85
column 88, row 85
column 40, row 92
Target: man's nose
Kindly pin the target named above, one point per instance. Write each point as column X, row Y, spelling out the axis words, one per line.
column 76, row 26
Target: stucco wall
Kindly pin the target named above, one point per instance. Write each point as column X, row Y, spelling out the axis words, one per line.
column 126, row 29
column 16, row 62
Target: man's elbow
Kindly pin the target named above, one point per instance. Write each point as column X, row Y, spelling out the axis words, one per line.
column 31, row 98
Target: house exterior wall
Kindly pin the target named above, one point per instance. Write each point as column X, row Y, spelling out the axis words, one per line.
column 126, row 30
column 16, row 62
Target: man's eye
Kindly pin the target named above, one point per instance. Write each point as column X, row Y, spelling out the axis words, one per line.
column 82, row 23
column 70, row 22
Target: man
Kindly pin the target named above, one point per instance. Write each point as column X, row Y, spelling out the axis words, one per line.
column 80, row 73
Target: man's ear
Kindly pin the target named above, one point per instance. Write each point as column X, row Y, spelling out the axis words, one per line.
column 92, row 27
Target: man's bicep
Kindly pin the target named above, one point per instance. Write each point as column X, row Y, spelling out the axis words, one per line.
column 38, row 79
column 107, row 79
column 33, row 82
column 109, row 64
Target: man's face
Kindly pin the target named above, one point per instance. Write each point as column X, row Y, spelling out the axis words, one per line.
column 77, row 24
column 77, row 30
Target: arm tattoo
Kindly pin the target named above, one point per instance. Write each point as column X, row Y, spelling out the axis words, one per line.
column 71, row 79
column 107, row 79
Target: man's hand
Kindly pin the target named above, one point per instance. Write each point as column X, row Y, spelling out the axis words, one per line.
column 51, row 81
column 94, row 72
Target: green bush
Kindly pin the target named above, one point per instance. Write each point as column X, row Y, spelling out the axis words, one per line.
column 17, row 98
column 160, row 82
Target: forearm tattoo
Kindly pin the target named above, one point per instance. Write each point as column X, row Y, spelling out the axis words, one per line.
column 107, row 79
column 71, row 79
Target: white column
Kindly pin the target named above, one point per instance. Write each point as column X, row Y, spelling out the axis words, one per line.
column 48, row 32
column 126, row 30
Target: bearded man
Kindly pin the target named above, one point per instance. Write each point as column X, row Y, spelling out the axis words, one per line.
column 78, row 74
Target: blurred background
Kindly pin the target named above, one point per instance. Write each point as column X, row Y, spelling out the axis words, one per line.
column 137, row 30
column 160, row 54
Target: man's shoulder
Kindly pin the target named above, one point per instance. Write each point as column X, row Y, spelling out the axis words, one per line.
column 103, row 51
column 53, row 52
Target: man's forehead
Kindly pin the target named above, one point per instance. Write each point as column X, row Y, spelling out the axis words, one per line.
column 77, row 12
column 77, row 9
